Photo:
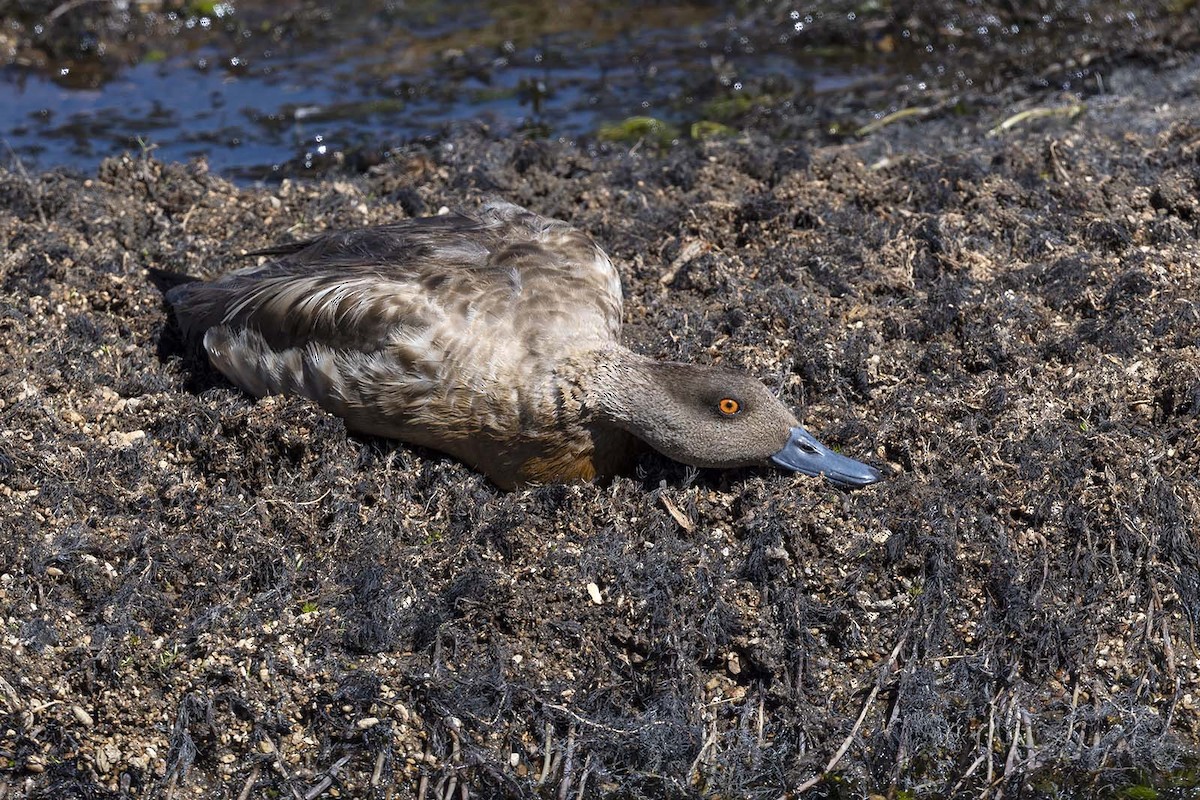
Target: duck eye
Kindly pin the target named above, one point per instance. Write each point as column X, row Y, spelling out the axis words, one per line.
column 729, row 406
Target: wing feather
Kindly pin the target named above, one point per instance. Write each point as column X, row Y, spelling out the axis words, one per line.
column 351, row 289
column 377, row 324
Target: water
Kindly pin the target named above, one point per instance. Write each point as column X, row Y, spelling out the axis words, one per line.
column 264, row 89
column 261, row 98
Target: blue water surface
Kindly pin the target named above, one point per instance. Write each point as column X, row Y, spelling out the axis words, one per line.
column 258, row 104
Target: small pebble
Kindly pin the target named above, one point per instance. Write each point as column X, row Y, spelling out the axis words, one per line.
column 122, row 439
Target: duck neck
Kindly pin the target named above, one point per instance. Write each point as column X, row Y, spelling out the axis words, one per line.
column 614, row 386
column 596, row 391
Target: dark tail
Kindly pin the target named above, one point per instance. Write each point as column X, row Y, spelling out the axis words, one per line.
column 189, row 299
column 166, row 281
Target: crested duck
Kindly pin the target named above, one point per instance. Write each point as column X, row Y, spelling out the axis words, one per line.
column 493, row 337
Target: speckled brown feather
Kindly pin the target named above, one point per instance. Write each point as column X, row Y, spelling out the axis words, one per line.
column 443, row 331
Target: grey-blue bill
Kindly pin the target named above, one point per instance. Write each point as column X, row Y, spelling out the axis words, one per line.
column 804, row 454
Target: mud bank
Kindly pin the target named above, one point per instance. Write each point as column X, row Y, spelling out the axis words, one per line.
column 209, row 595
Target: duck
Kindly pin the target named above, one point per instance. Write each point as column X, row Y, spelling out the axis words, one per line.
column 493, row 337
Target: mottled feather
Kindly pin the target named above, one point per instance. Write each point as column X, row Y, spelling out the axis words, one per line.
column 398, row 327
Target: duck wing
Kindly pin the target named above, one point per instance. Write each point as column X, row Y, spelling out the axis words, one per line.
column 352, row 290
column 419, row 330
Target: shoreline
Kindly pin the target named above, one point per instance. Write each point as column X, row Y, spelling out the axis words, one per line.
column 210, row 595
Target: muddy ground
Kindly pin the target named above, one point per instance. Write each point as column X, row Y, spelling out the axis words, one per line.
column 209, row 595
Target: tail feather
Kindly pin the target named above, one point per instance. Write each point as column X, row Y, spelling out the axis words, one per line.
column 198, row 307
column 313, row 371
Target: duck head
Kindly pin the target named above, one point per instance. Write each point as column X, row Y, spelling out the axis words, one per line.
column 719, row 417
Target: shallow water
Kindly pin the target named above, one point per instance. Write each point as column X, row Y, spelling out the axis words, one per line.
column 259, row 97
column 264, row 90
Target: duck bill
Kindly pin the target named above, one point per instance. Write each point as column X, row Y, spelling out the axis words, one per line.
column 806, row 455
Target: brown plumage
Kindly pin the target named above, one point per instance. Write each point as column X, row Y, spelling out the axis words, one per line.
column 492, row 337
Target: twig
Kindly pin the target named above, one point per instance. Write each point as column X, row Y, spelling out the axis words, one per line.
column 1070, row 112
column 587, row 769
column 761, row 718
column 841, row 751
column 582, row 720
column 1058, row 167
column 970, row 771
column 250, row 781
column 455, row 759
column 377, row 773
column 1168, row 648
column 320, row 786
column 1010, row 761
column 1030, row 742
column 862, row 715
column 676, row 514
column 40, row 707
column 709, row 741
column 687, row 253
column 895, row 116
column 279, row 765
column 1171, row 711
column 991, row 735
column 546, row 755
column 564, row 784
column 1071, row 716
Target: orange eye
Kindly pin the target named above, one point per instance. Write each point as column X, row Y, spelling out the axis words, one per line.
column 729, row 406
